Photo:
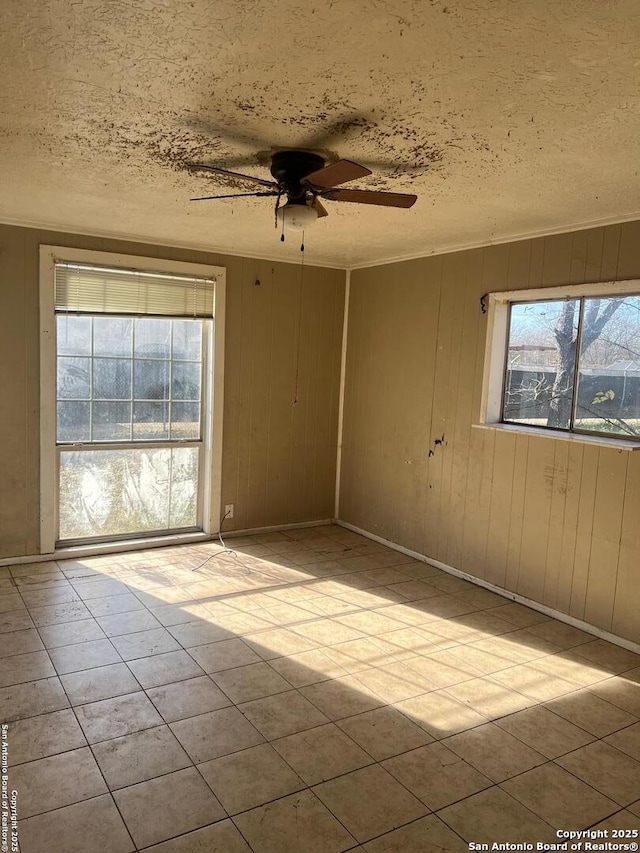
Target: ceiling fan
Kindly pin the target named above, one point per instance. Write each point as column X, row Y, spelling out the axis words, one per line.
column 305, row 180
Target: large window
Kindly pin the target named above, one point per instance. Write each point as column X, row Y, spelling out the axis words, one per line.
column 128, row 410
column 569, row 362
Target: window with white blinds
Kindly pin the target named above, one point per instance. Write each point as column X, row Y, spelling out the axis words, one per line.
column 88, row 289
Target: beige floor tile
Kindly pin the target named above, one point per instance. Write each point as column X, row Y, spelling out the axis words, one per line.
column 384, row 732
column 116, row 624
column 436, row 775
column 612, row 657
column 559, row 798
column 321, row 753
column 308, row 667
column 48, row 734
column 394, row 682
column 93, row 826
column 83, row 656
column 440, row 714
column 613, row 773
column 370, row 622
column 445, row 668
column 635, row 808
column 278, row 642
column 221, row 837
column 562, row 635
column 627, row 740
column 358, row 655
column 98, row 588
column 114, row 604
column 187, row 698
column 140, row 756
column 254, row 681
column 57, row 781
column 10, row 601
column 534, row 681
column 250, row 778
column 56, row 613
column 294, row 824
column 31, row 699
column 116, row 717
column 544, row 731
column 68, row 633
column 494, row 752
column 342, row 697
column 164, row 669
column 369, row 802
column 427, row 835
column 216, row 733
column 282, row 714
column 199, row 633
column 59, row 593
column 492, row 816
column 489, row 698
column 518, row 615
column 225, row 654
column 18, row 669
column 621, row 692
column 168, row 806
column 16, row 620
column 145, row 644
column 623, row 819
column 20, row 642
column 327, row 632
column 103, row 682
column 592, row 713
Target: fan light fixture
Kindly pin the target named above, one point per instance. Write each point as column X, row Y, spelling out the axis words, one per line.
column 297, row 217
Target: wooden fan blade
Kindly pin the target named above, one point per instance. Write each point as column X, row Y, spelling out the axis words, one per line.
column 317, row 205
column 228, row 174
column 234, row 195
column 337, row 173
column 372, row 197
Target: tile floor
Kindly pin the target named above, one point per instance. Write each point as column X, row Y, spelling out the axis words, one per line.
column 309, row 692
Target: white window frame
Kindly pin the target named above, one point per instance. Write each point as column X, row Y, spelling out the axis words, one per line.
column 211, row 483
column 495, row 359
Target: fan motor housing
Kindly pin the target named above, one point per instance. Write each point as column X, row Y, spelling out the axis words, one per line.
column 290, row 167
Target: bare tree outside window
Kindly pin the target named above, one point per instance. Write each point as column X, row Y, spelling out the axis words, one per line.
column 574, row 364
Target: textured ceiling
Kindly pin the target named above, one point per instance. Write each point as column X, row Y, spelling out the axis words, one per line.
column 506, row 117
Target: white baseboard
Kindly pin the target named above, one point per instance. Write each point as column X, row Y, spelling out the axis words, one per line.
column 505, row 593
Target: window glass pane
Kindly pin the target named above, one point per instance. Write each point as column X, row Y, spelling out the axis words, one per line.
column 74, row 378
column 151, row 380
column 111, row 379
column 73, row 422
column 187, row 340
column 185, row 420
column 115, row 492
column 73, row 335
column 152, row 338
column 112, row 336
column 184, row 488
column 541, row 363
column 185, row 381
column 111, row 421
column 150, row 421
column 609, row 374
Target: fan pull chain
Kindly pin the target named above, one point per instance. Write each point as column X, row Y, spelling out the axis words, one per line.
column 302, row 244
column 282, row 235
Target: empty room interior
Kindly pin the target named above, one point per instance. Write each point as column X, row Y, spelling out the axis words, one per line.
column 320, row 431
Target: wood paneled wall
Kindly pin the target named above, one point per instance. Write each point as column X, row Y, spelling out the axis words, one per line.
column 555, row 521
column 278, row 455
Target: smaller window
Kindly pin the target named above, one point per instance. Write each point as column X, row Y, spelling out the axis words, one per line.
column 569, row 362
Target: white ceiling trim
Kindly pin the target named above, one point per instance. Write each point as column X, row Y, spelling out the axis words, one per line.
column 512, row 238
column 135, row 238
column 445, row 250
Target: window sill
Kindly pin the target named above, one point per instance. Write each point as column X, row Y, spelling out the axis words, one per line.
column 598, row 440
